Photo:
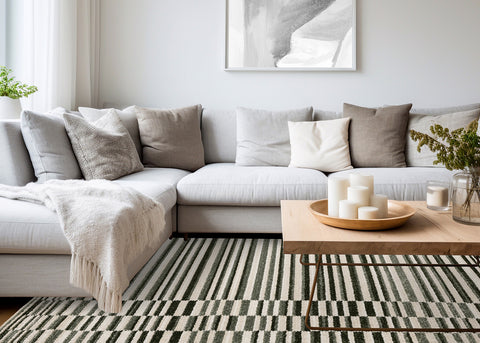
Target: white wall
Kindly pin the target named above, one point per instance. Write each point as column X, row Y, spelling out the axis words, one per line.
column 171, row 53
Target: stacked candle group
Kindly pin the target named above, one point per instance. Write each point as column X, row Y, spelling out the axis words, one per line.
column 353, row 197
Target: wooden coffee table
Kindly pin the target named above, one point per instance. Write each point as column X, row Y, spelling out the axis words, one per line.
column 426, row 233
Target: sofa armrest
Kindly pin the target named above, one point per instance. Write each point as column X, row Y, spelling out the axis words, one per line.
column 15, row 166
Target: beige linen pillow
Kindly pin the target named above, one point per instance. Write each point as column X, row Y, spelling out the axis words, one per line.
column 321, row 145
column 127, row 117
column 377, row 135
column 104, row 148
column 262, row 135
column 171, row 138
column 422, row 123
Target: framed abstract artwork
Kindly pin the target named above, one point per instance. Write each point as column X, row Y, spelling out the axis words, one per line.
column 290, row 35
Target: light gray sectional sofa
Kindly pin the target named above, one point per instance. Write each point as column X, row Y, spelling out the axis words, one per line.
column 220, row 197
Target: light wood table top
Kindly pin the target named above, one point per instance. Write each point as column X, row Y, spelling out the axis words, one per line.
column 428, row 232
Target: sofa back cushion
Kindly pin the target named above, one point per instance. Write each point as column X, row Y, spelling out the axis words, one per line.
column 219, row 135
column 16, row 167
column 262, row 135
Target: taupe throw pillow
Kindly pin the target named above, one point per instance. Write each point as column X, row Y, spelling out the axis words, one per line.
column 422, row 123
column 263, row 138
column 171, row 138
column 377, row 135
column 104, row 148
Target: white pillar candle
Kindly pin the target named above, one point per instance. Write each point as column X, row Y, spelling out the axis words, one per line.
column 347, row 209
column 337, row 190
column 437, row 196
column 359, row 194
column 357, row 179
column 368, row 212
column 380, row 201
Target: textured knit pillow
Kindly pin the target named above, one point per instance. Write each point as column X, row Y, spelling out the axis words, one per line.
column 422, row 123
column 377, row 135
column 104, row 148
column 171, row 138
column 127, row 116
column 321, row 145
column 49, row 147
column 262, row 136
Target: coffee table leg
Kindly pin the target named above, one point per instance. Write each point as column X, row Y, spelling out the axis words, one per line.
column 306, row 263
column 312, row 291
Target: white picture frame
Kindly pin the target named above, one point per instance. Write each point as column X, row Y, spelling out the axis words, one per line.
column 290, row 35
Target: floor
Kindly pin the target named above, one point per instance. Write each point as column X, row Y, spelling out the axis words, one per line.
column 8, row 307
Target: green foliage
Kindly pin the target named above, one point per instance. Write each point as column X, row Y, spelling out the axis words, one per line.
column 457, row 149
column 12, row 88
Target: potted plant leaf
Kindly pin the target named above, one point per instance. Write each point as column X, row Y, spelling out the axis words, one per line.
column 11, row 91
column 457, row 150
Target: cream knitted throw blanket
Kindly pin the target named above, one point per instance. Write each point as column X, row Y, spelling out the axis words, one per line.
column 107, row 226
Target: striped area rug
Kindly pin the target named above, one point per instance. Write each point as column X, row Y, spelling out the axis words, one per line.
column 247, row 290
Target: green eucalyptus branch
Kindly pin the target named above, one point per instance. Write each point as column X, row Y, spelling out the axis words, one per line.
column 458, row 149
column 12, row 88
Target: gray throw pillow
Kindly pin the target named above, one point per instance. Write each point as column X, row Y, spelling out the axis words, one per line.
column 104, row 148
column 127, row 116
column 377, row 135
column 171, row 138
column 422, row 123
column 263, row 138
column 49, row 147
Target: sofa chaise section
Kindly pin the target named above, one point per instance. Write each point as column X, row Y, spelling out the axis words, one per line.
column 34, row 252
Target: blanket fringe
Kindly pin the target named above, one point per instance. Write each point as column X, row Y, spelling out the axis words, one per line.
column 87, row 275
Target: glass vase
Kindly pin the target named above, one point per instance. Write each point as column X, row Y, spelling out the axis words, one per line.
column 466, row 197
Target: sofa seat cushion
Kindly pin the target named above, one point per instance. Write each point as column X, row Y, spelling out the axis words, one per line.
column 149, row 176
column 225, row 184
column 27, row 228
column 403, row 183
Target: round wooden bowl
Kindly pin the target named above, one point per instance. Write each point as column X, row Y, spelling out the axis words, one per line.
column 398, row 214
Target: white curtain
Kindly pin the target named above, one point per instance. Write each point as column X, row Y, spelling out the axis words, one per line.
column 61, row 52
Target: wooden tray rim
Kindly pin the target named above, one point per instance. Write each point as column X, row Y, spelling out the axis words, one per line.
column 349, row 223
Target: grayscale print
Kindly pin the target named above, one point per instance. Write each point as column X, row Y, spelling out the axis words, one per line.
column 290, row 34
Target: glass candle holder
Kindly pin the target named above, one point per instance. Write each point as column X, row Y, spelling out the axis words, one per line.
column 438, row 195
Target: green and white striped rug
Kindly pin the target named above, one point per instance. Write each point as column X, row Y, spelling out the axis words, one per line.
column 246, row 290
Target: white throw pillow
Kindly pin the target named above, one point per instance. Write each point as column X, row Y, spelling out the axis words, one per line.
column 321, row 145
column 262, row 136
column 127, row 116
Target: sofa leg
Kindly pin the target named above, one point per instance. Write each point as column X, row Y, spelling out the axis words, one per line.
column 185, row 237
column 171, row 236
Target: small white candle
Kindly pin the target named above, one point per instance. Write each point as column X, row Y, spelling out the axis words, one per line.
column 347, row 209
column 380, row 201
column 359, row 194
column 357, row 179
column 337, row 190
column 368, row 212
column 437, row 196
